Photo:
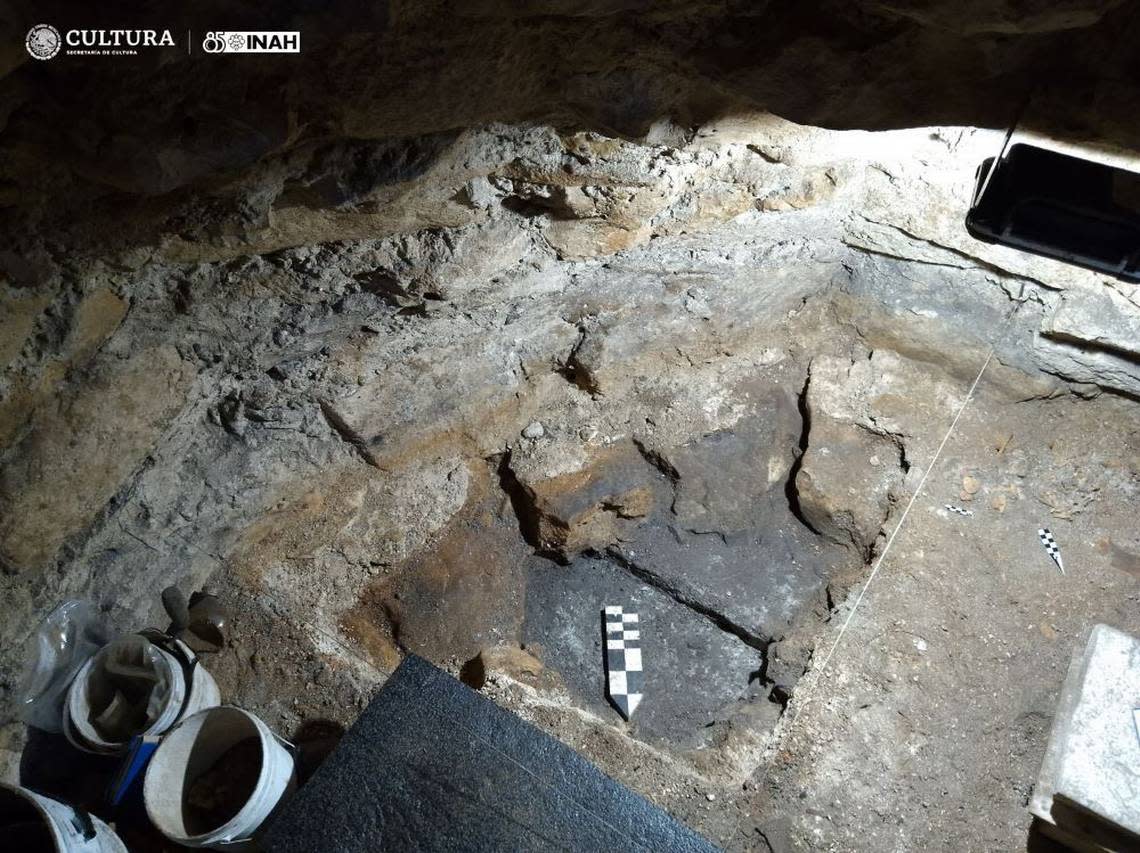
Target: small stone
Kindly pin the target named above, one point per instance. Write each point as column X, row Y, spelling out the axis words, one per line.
column 534, row 430
column 710, row 797
column 998, row 503
column 481, row 193
column 970, row 485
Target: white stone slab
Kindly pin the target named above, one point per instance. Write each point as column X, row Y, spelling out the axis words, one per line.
column 1089, row 785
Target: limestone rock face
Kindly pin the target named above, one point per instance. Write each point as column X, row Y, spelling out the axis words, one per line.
column 1105, row 319
column 719, row 479
column 1002, row 17
column 870, row 420
column 93, row 442
column 845, row 491
column 577, row 504
column 1094, row 336
column 287, row 327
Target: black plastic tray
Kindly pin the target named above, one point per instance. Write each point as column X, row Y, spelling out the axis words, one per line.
column 1063, row 207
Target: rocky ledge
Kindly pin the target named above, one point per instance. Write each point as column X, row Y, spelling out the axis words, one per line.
column 445, row 368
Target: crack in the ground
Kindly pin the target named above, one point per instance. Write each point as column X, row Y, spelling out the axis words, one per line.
column 765, row 840
column 659, row 463
column 1056, row 336
column 790, row 491
column 694, row 531
column 522, row 503
column 750, row 638
column 346, row 433
column 969, row 261
column 1075, row 388
column 573, row 371
column 762, row 645
column 895, row 438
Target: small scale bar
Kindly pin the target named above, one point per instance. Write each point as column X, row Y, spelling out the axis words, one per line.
column 1051, row 548
column 624, row 676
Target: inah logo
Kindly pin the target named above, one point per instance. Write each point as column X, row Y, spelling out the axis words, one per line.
column 252, row 42
column 43, row 41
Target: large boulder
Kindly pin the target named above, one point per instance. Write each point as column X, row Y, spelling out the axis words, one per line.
column 871, row 419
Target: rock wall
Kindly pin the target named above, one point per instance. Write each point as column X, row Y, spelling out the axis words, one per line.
column 628, row 285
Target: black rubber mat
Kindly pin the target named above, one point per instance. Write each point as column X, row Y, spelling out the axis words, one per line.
column 432, row 765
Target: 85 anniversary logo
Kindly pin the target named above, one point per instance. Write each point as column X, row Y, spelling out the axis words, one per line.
column 251, row 42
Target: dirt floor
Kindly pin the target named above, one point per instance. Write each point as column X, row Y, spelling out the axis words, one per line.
column 439, row 338
column 926, row 727
column 465, row 445
column 933, row 657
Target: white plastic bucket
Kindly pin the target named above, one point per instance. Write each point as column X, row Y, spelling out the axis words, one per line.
column 66, row 828
column 192, row 689
column 191, row 750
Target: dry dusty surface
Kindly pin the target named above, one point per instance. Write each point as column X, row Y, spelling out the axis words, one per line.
column 397, row 364
column 926, row 728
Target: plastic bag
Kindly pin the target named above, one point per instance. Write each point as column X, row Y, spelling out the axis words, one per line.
column 127, row 688
column 65, row 640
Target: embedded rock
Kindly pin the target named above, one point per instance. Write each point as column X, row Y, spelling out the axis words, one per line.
column 870, row 420
column 730, row 544
column 574, row 503
column 848, row 483
column 1090, row 365
column 1094, row 336
column 510, row 661
column 887, row 395
column 1107, row 319
column 719, row 478
column 788, row 659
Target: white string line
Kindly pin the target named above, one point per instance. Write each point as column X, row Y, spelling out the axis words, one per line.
column 938, row 453
column 902, row 520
